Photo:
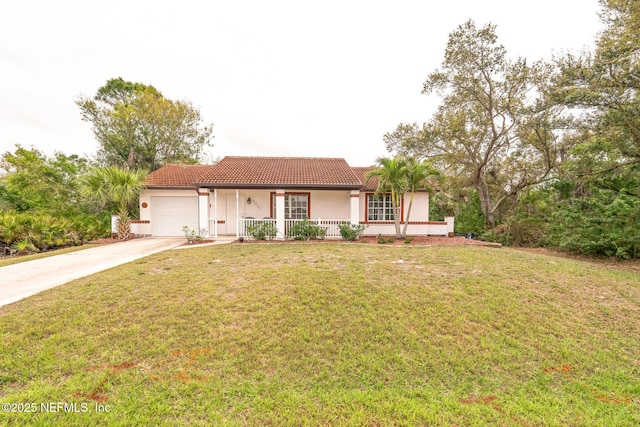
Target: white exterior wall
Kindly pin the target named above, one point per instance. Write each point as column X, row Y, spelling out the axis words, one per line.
column 354, row 207
column 260, row 206
column 433, row 229
column 325, row 204
column 419, row 224
column 420, row 208
column 141, row 228
column 329, row 204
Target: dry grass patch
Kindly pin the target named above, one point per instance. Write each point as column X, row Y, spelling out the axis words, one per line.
column 332, row 334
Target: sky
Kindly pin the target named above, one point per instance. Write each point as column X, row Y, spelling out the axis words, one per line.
column 276, row 78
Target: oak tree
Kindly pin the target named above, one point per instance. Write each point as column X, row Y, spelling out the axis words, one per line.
column 602, row 90
column 138, row 128
column 488, row 131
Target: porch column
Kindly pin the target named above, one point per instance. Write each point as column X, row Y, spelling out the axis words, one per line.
column 450, row 225
column 203, row 211
column 280, row 213
column 237, row 212
column 215, row 212
column 354, row 197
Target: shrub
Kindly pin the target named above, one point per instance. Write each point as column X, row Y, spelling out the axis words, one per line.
column 307, row 230
column 385, row 239
column 351, row 232
column 262, row 230
column 603, row 223
column 192, row 236
column 24, row 247
column 408, row 240
column 45, row 232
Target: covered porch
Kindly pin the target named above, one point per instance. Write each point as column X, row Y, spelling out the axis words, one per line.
column 237, row 212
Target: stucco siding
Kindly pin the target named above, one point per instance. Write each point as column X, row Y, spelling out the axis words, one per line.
column 330, row 204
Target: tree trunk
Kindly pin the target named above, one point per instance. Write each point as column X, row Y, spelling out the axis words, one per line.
column 131, row 159
column 486, row 204
column 395, row 206
column 123, row 230
column 406, row 220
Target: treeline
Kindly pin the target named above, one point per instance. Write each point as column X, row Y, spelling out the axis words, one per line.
column 544, row 153
column 48, row 202
column 43, row 205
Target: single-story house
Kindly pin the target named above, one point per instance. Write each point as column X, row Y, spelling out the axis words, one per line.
column 230, row 196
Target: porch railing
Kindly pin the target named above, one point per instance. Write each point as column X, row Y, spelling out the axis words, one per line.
column 213, row 228
column 245, row 225
column 331, row 225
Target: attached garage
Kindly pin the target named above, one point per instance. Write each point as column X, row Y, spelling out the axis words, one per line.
column 169, row 214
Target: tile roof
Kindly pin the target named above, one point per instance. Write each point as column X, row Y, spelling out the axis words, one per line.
column 281, row 171
column 264, row 172
column 372, row 185
column 176, row 176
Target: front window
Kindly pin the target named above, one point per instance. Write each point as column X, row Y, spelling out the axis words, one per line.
column 296, row 206
column 379, row 208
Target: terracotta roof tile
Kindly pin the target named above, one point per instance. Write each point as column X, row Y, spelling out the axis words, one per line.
column 286, row 171
column 372, row 185
column 176, row 175
column 283, row 171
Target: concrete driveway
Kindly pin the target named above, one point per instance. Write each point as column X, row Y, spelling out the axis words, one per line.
column 24, row 279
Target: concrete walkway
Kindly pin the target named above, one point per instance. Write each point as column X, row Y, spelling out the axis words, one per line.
column 24, row 279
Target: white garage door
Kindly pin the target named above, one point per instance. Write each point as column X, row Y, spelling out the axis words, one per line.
column 170, row 214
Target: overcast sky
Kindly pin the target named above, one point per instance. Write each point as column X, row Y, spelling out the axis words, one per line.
column 276, row 78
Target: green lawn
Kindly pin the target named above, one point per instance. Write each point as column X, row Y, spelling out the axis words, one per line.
column 330, row 334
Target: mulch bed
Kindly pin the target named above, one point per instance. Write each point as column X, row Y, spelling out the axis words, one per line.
column 417, row 241
column 198, row 242
column 434, row 240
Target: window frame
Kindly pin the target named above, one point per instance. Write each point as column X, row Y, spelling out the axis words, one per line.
column 288, row 202
column 370, row 196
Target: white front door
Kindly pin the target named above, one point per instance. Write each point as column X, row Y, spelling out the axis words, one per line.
column 232, row 217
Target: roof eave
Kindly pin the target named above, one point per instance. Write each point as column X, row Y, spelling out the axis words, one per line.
column 277, row 185
column 169, row 187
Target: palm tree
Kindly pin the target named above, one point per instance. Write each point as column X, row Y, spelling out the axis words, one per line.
column 392, row 179
column 417, row 174
column 118, row 188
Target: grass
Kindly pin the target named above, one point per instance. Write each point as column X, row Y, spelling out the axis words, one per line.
column 16, row 259
column 331, row 334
